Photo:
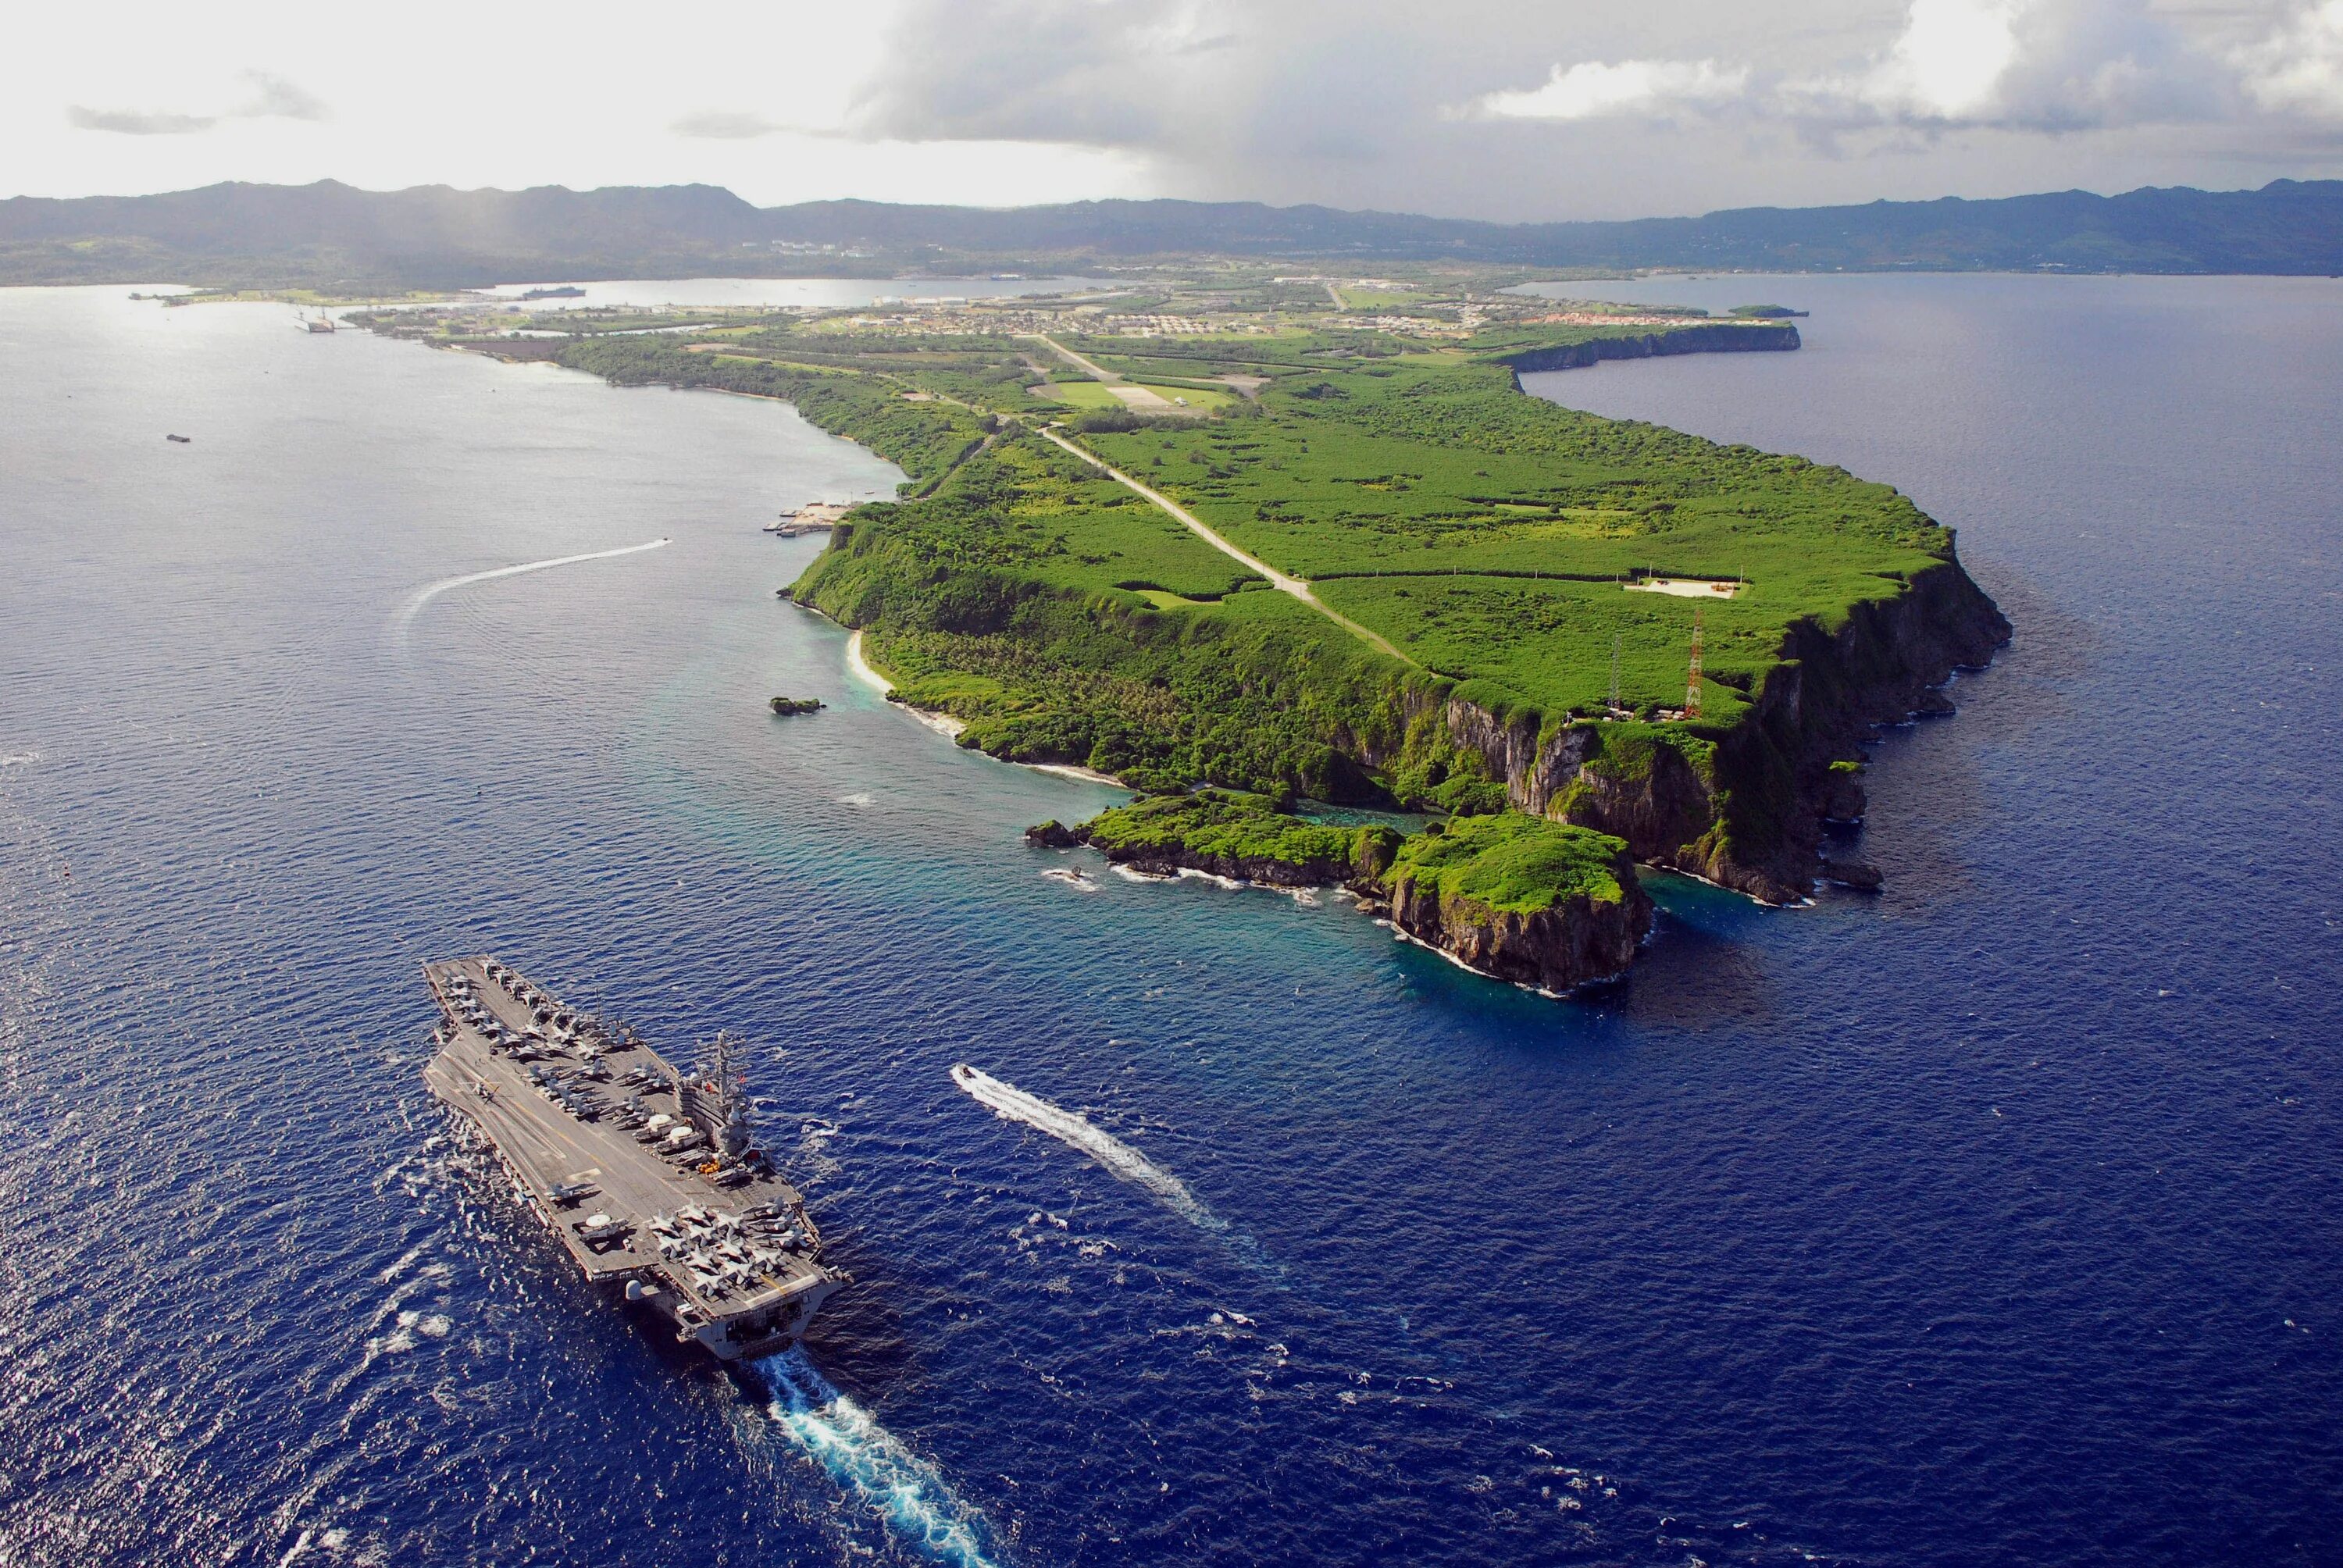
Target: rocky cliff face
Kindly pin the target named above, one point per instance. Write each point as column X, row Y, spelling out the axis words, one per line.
column 1702, row 338
column 1751, row 821
column 1574, row 943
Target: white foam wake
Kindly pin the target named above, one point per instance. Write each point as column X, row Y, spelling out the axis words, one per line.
column 870, row 1461
column 424, row 596
column 1074, row 1130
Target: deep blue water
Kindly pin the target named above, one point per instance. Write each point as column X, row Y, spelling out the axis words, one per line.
column 1993, row 1221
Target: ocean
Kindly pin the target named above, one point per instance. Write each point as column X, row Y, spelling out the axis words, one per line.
column 1994, row 1219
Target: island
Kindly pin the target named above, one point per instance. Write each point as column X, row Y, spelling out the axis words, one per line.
column 1247, row 542
column 785, row 706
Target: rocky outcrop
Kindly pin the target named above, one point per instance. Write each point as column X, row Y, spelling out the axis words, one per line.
column 1861, row 876
column 1744, row 808
column 1701, row 338
column 1841, row 799
column 1223, row 833
column 1051, row 835
column 1170, row 860
column 1575, row 941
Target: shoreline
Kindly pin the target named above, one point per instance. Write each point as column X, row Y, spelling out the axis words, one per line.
column 861, row 667
column 1070, row 770
column 946, row 725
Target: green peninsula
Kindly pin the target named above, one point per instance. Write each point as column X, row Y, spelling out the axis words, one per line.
column 1241, row 534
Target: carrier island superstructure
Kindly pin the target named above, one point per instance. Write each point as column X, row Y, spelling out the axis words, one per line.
column 650, row 1176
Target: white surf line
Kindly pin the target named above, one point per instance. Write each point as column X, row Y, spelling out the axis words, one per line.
column 1283, row 581
column 870, row 1462
column 414, row 605
column 1011, row 1103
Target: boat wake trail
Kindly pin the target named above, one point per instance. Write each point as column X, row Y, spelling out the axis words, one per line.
column 1013, row 1104
column 424, row 596
column 870, row 1461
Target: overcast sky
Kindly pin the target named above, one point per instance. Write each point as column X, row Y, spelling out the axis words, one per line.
column 1522, row 110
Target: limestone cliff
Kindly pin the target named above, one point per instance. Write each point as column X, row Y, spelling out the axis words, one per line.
column 1697, row 337
column 1577, row 940
column 1744, row 808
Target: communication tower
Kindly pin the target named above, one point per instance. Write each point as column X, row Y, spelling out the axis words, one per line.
column 1614, row 672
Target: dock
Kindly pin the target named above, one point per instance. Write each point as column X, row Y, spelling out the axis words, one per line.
column 814, row 518
column 647, row 1175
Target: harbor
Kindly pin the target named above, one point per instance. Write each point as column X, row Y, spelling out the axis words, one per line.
column 650, row 1176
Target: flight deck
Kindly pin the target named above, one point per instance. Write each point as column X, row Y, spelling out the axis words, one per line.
column 648, row 1174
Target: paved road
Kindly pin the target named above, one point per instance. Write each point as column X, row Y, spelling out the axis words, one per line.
column 1283, row 581
column 1104, row 376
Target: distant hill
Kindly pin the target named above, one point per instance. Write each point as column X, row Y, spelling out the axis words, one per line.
column 432, row 236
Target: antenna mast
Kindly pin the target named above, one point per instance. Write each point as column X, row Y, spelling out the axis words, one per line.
column 1614, row 670
column 1692, row 681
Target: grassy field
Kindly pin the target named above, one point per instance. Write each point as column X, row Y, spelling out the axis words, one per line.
column 1194, row 394
column 1485, row 533
column 1377, row 299
column 1078, row 395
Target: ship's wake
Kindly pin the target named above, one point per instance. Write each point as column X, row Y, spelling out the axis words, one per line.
column 1074, row 1130
column 870, row 1462
column 424, row 596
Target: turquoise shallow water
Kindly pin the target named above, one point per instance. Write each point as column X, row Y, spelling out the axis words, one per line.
column 1993, row 1221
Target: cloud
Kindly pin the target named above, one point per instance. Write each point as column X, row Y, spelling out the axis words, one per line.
column 273, row 98
column 1391, row 104
column 131, row 123
column 2043, row 66
column 1100, row 72
column 2299, row 67
column 718, row 126
column 1593, row 90
column 277, row 98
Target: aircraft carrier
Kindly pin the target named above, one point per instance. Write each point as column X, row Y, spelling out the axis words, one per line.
column 650, row 1176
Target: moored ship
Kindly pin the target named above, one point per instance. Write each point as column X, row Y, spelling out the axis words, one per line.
column 650, row 1176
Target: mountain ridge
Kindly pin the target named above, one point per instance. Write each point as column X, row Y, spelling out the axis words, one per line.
column 436, row 236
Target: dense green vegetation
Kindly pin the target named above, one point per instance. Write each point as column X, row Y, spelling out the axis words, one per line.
column 924, row 439
column 1240, row 830
column 1495, row 539
column 1511, row 864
